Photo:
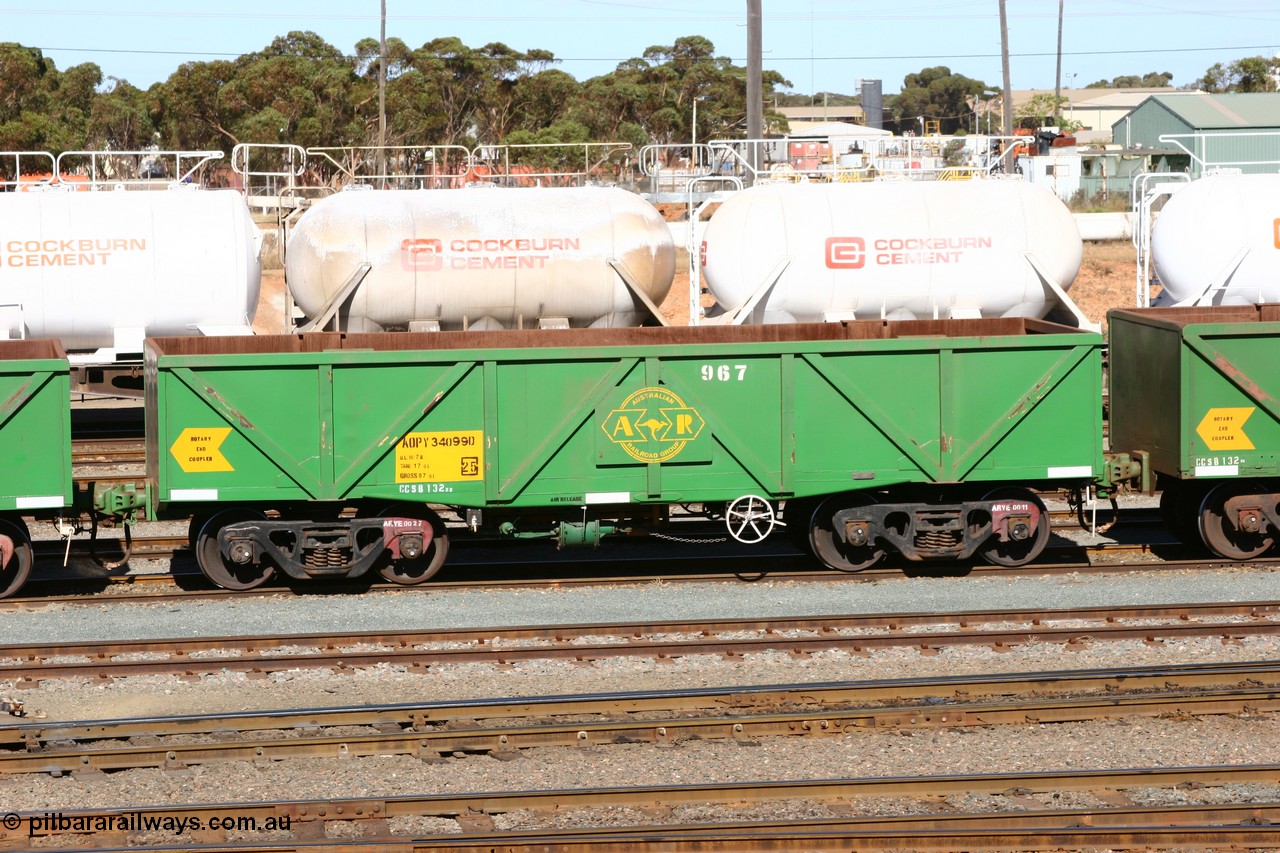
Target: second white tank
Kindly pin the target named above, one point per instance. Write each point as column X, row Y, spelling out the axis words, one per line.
column 1217, row 241
column 896, row 250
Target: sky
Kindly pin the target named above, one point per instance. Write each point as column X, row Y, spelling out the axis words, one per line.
column 817, row 45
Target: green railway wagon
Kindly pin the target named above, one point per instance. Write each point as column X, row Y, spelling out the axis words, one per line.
column 1197, row 389
column 35, row 434
column 326, row 454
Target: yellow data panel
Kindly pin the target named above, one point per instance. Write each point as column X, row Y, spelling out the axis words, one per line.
column 450, row 456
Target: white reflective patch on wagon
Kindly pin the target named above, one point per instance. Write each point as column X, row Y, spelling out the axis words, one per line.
column 607, row 498
column 1071, row 471
column 193, row 494
column 41, row 502
column 1217, row 470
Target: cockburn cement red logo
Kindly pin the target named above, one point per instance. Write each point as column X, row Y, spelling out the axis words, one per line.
column 846, row 253
column 851, row 253
column 494, row 253
column 421, row 254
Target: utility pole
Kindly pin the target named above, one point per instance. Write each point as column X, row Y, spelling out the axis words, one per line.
column 382, row 97
column 755, row 86
column 1006, row 126
column 1057, row 80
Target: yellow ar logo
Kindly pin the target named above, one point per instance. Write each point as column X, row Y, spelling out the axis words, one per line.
column 653, row 425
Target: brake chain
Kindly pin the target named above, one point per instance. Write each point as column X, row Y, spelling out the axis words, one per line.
column 687, row 541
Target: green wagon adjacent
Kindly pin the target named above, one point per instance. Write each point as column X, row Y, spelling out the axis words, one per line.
column 35, row 434
column 330, row 455
column 1197, row 389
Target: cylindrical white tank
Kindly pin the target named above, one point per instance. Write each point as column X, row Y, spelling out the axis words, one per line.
column 104, row 269
column 481, row 257
column 896, row 250
column 1223, row 229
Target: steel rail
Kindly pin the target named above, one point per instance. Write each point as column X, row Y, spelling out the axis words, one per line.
column 506, row 739
column 108, row 451
column 143, row 547
column 31, row 663
column 1223, row 839
column 1031, row 816
column 840, row 836
column 773, row 567
column 417, row 716
column 1019, row 785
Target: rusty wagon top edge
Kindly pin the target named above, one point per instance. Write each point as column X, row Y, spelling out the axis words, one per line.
column 586, row 338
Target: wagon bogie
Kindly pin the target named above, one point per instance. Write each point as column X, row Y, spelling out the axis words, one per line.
column 244, row 547
column 1008, row 526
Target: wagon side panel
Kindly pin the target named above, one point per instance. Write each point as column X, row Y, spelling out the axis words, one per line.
column 35, row 426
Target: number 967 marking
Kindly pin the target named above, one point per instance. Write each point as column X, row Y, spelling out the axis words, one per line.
column 723, row 373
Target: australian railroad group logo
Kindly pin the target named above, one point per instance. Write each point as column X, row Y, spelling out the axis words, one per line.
column 653, row 425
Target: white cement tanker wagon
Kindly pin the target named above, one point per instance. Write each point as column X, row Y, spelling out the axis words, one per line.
column 481, row 258
column 1217, row 242
column 783, row 253
column 102, row 270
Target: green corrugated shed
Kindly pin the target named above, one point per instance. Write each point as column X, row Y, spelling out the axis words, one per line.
column 1238, row 130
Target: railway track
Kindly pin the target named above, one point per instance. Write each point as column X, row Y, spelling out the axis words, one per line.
column 472, row 572
column 419, row 650
column 108, row 451
column 1241, row 826
column 501, row 727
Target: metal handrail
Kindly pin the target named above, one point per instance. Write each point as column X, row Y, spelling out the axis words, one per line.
column 441, row 165
column 691, row 239
column 1202, row 142
column 488, row 155
column 17, row 156
column 1146, row 190
column 102, row 163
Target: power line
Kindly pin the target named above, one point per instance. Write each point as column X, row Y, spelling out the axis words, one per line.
column 847, row 58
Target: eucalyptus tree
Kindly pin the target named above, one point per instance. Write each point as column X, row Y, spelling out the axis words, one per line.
column 29, row 115
column 652, row 96
column 122, row 117
column 936, row 94
column 299, row 89
column 1249, row 74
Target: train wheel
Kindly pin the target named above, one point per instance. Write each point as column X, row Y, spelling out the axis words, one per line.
column 1222, row 536
column 1017, row 552
column 830, row 547
column 15, row 556
column 420, row 569
column 223, row 572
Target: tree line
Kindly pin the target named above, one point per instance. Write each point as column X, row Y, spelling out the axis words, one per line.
column 302, row 90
